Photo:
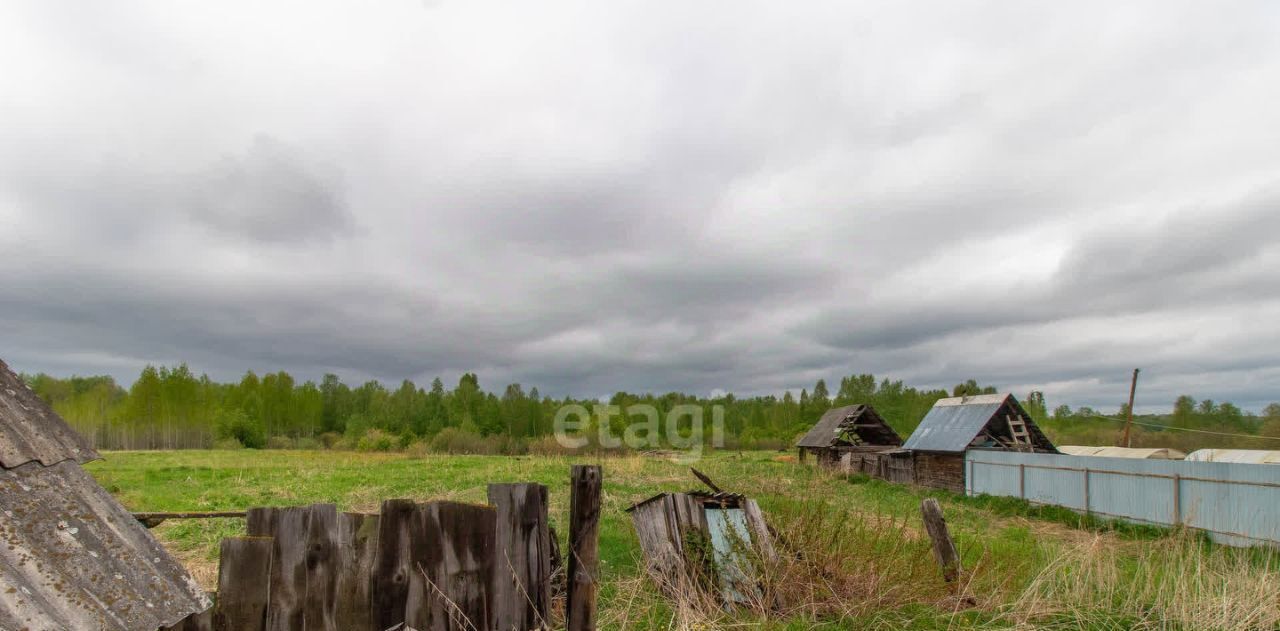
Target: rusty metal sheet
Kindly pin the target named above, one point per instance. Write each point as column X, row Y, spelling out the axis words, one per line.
column 71, row 557
column 30, row 430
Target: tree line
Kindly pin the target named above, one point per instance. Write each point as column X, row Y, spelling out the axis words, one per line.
column 172, row 408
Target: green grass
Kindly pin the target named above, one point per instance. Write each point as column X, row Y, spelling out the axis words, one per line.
column 852, row 526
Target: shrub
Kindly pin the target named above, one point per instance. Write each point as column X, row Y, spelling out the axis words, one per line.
column 548, row 446
column 418, row 450
column 306, row 442
column 235, row 424
column 227, row 443
column 330, row 439
column 375, row 440
column 279, row 442
column 454, row 440
column 406, row 438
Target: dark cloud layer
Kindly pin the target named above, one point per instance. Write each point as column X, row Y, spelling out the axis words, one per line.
column 647, row 196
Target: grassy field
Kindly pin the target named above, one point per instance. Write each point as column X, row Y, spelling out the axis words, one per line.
column 863, row 561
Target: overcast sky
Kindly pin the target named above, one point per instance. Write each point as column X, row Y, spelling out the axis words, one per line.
column 648, row 196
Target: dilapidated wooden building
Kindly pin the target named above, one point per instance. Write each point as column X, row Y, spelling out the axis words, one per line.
column 955, row 425
column 72, row 557
column 854, row 438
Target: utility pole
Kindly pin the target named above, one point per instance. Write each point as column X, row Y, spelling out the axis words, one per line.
column 1133, row 388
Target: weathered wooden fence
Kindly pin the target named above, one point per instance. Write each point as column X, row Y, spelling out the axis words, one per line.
column 424, row 566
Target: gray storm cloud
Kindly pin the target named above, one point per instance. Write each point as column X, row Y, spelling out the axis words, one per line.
column 648, row 196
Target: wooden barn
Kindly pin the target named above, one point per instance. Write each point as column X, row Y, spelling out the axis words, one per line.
column 956, row 425
column 856, row 439
column 74, row 558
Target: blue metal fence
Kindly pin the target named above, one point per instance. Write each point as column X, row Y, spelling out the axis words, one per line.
column 1237, row 504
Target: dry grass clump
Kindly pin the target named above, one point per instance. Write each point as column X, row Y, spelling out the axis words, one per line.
column 1174, row 583
column 832, row 565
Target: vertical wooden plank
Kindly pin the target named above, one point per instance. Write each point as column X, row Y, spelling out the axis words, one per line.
column 320, row 556
column 392, row 564
column 944, row 548
column 759, row 530
column 522, row 559
column 453, row 561
column 584, row 553
column 660, row 542
column 358, row 542
column 244, row 580
column 261, row 522
column 289, row 529
column 763, row 541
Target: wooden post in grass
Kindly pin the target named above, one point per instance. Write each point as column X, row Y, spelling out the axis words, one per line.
column 944, row 548
column 522, row 564
column 584, row 552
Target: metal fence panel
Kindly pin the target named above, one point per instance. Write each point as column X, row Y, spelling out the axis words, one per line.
column 1237, row 504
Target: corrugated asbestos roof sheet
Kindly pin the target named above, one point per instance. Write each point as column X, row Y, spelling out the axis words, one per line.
column 873, row 430
column 31, row 431
column 1242, row 456
column 952, row 424
column 71, row 557
column 1140, row 453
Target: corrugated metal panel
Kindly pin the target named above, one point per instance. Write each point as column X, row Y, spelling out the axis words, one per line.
column 73, row 558
column 1243, row 456
column 950, row 428
column 29, row 430
column 953, row 424
column 1154, row 453
column 871, row 428
column 1237, row 504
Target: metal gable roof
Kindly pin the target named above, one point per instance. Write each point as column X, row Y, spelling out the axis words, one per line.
column 29, row 430
column 952, row 424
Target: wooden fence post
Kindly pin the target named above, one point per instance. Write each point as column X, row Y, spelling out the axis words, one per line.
column 584, row 553
column 944, row 548
column 522, row 563
column 244, row 582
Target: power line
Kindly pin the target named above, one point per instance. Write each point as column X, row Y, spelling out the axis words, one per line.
column 1186, row 429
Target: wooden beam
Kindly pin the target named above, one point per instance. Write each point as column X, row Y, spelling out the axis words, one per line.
column 705, row 480
column 584, row 552
column 151, row 520
column 944, row 548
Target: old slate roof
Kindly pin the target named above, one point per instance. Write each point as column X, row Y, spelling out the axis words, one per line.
column 866, row 424
column 953, row 424
column 71, row 557
column 32, row 431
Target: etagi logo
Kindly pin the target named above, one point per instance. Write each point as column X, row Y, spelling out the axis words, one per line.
column 682, row 431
